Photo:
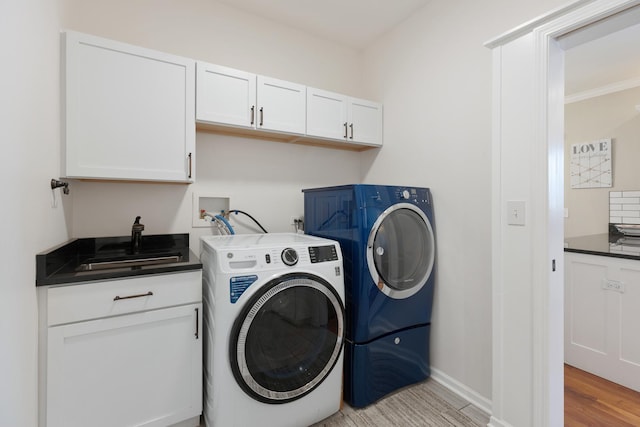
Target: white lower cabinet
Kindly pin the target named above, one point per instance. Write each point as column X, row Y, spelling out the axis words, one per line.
column 141, row 365
column 602, row 314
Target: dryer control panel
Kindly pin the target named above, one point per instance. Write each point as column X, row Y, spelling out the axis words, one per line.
column 418, row 195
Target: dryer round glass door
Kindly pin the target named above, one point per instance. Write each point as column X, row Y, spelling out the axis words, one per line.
column 401, row 250
column 287, row 338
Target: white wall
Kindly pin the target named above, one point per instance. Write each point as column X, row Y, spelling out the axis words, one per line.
column 29, row 223
column 434, row 76
column 608, row 116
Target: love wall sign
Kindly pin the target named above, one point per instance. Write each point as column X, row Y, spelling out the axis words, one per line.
column 591, row 164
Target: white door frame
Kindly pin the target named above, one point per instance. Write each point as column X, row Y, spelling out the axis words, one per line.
column 546, row 210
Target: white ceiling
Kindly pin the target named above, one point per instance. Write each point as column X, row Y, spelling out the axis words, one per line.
column 592, row 61
column 354, row 23
column 613, row 59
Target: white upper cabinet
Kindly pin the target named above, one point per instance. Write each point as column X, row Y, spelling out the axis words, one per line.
column 326, row 114
column 365, row 121
column 129, row 112
column 225, row 96
column 335, row 116
column 281, row 105
column 230, row 97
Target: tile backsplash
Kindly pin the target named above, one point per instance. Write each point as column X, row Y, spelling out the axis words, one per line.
column 624, row 207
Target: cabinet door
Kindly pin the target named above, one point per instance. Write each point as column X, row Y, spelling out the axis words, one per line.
column 142, row 369
column 629, row 319
column 602, row 296
column 587, row 311
column 129, row 112
column 281, row 106
column 365, row 122
column 225, row 96
column 326, row 114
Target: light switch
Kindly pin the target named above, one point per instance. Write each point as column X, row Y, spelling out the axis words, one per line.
column 516, row 212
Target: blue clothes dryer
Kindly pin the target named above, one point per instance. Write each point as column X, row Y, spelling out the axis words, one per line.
column 387, row 236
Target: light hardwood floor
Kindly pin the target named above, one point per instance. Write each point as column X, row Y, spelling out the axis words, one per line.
column 593, row 401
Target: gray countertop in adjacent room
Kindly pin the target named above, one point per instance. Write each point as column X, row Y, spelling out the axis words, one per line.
column 605, row 244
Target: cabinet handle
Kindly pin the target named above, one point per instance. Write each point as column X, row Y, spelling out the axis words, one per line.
column 261, row 116
column 351, row 126
column 118, row 297
column 345, row 130
column 189, row 165
column 253, row 113
column 197, row 323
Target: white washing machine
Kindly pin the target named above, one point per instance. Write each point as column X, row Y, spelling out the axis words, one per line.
column 274, row 329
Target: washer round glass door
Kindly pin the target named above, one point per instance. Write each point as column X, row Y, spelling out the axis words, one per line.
column 287, row 338
column 401, row 250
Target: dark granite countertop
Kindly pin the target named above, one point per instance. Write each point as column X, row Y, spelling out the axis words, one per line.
column 61, row 264
column 606, row 244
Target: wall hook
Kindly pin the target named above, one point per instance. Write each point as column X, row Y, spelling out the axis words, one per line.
column 56, row 184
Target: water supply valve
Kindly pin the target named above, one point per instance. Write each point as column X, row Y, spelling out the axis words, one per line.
column 57, row 184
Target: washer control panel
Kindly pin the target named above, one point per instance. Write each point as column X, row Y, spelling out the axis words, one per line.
column 323, row 253
column 289, row 256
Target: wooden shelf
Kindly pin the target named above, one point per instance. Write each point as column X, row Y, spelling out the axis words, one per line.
column 282, row 137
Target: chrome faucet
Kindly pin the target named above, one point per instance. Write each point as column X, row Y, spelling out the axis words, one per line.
column 136, row 235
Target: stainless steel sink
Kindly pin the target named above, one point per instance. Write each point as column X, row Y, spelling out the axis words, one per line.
column 125, row 262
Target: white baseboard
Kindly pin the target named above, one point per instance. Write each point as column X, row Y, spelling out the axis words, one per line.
column 191, row 422
column 468, row 394
column 494, row 422
column 463, row 391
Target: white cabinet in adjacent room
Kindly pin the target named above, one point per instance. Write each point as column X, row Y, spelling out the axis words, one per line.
column 129, row 112
column 122, row 352
column 602, row 297
column 230, row 97
column 339, row 117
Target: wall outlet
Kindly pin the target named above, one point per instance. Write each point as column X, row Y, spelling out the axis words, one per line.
column 613, row 285
column 298, row 223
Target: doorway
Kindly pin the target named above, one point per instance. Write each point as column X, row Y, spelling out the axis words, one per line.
column 601, row 125
column 528, row 270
